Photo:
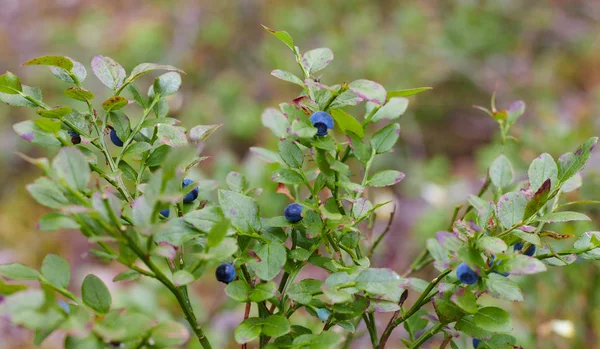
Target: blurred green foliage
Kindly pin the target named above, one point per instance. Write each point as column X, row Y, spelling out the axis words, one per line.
column 545, row 53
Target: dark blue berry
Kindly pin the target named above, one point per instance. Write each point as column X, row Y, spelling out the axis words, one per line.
column 476, row 342
column 73, row 133
column 165, row 213
column 322, row 121
column 529, row 252
column 466, row 275
column 293, row 213
column 191, row 196
column 225, row 273
column 115, row 139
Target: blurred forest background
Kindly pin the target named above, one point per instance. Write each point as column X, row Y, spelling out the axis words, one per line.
column 546, row 53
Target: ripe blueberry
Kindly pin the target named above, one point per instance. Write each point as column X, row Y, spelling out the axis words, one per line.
column 191, row 196
column 529, row 252
column 225, row 273
column 293, row 212
column 75, row 137
column 165, row 213
column 466, row 275
column 476, row 342
column 115, row 139
column 322, row 121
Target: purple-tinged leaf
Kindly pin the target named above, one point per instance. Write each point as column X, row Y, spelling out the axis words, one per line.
column 108, row 71
column 369, row 91
column 539, row 199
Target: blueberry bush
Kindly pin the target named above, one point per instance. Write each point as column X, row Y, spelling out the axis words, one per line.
column 135, row 204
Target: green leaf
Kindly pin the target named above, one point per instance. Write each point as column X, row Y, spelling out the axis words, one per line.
column 323, row 340
column 564, row 216
column 31, row 132
column 586, row 240
column 17, row 100
column 95, row 294
column 491, row 244
column 238, row 290
column 287, row 76
column 385, row 178
column 55, row 113
column 182, row 278
column 347, row 122
column 18, row 271
column 276, row 121
column 10, row 84
column 79, row 94
column 167, row 84
column 272, row 258
column 114, row 103
column 302, row 292
column 275, row 326
column 108, row 71
column 369, row 91
column 46, row 193
column 287, row 176
column 317, row 59
column 466, row 300
column 501, row 172
column 56, row 270
column 201, row 132
column 392, row 110
column 55, row 220
column 144, row 68
column 217, row 233
column 263, row 291
column 511, row 208
column 446, row 310
column 519, row 264
column 291, row 153
column 283, row 36
column 407, row 92
column 48, row 125
column 251, row 328
column 266, row 155
column 78, row 71
column 532, row 238
column 71, row 166
column 173, row 136
column 57, row 61
column 127, row 275
column 570, row 164
column 8, row 289
column 137, row 148
column 120, row 122
column 468, row 326
column 541, row 169
column 241, row 210
column 248, row 330
column 380, row 281
column 384, row 139
column 502, row 287
column 493, row 319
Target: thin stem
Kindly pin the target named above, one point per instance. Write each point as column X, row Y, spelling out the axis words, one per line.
column 424, row 298
column 428, row 334
column 383, row 234
column 137, row 128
